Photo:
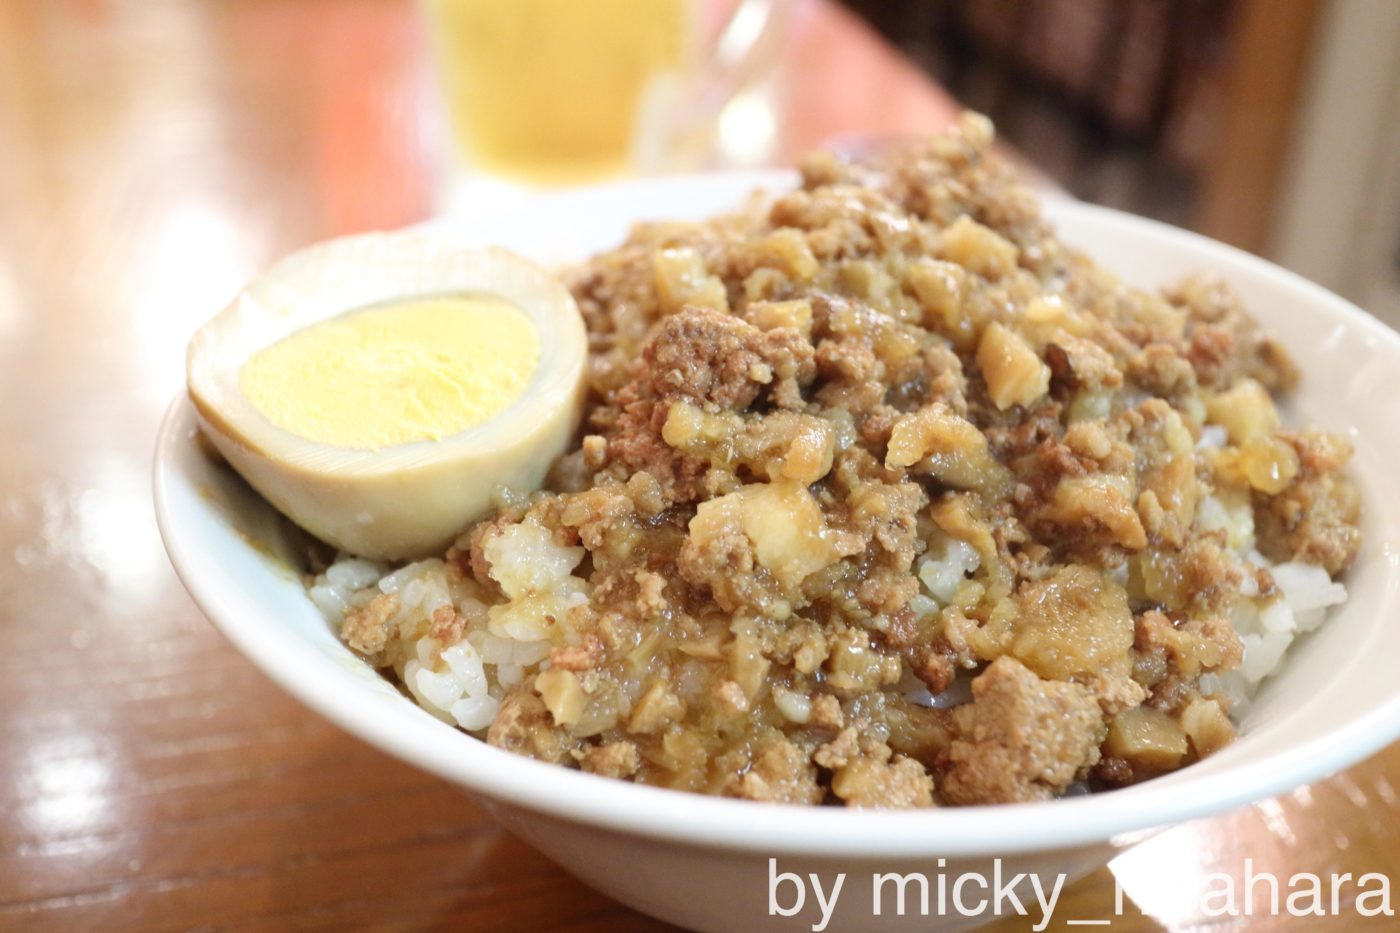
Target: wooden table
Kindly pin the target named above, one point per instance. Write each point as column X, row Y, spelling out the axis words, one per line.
column 153, row 155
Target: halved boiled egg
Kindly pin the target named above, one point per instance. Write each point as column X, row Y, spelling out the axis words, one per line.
column 382, row 390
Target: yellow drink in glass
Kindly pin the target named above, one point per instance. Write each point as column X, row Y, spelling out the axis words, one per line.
column 557, row 91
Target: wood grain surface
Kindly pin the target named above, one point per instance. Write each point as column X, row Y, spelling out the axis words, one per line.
column 153, row 155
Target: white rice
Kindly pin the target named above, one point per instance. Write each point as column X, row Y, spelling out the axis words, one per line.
column 463, row 683
column 1269, row 627
column 945, row 566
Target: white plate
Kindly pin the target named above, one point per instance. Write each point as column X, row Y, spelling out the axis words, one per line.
column 666, row 852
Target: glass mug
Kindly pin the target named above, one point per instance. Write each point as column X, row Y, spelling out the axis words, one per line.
column 553, row 92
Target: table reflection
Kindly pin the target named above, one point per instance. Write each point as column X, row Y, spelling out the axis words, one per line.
column 152, row 156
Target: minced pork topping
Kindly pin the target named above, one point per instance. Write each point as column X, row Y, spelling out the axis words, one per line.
column 887, row 497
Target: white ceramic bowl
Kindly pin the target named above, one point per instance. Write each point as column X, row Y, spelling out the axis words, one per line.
column 703, row 862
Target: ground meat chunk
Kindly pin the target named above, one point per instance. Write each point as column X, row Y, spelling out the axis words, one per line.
column 1083, row 512
column 447, row 625
column 580, row 657
column 826, row 712
column 367, row 629
column 722, row 560
column 837, row 753
column 723, row 362
column 613, row 759
column 1021, row 738
column 781, row 773
column 524, row 726
column 635, row 445
column 872, row 783
column 1224, row 342
column 1080, row 363
column 1160, row 369
column 1209, row 352
column 1315, row 518
column 1193, row 647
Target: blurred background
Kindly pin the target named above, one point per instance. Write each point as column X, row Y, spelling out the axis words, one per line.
column 155, row 154
column 1273, row 125
column 1270, row 124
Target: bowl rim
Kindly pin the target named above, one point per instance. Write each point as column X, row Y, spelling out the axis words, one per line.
column 774, row 829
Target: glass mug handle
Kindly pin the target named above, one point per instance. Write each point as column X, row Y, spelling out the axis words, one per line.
column 676, row 125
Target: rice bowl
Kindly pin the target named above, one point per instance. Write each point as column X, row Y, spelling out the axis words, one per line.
column 885, row 496
column 661, row 851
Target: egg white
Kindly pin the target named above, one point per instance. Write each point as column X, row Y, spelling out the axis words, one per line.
column 411, row 499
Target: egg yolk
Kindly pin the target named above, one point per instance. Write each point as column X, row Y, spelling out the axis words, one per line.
column 394, row 374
